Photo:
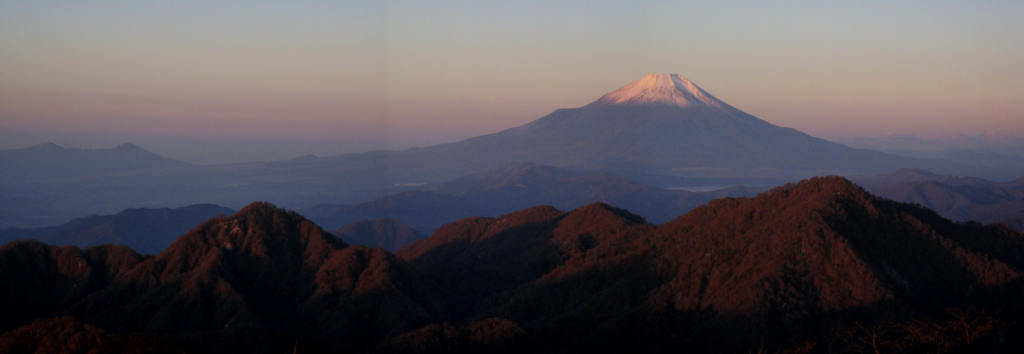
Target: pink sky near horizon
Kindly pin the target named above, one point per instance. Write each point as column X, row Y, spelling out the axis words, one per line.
column 413, row 75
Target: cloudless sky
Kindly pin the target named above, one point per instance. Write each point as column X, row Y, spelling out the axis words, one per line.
column 267, row 77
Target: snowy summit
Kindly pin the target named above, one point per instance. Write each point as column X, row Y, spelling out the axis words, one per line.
column 670, row 89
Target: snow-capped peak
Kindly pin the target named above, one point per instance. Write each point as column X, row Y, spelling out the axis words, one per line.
column 670, row 89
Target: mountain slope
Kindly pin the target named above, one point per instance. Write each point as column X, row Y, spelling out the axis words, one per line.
column 260, row 279
column 147, row 231
column 46, row 281
column 847, row 247
column 790, row 266
column 635, row 129
column 817, row 266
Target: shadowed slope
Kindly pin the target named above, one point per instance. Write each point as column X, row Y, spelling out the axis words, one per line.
column 819, row 265
column 262, row 272
column 830, row 243
column 791, row 265
column 66, row 335
column 43, row 281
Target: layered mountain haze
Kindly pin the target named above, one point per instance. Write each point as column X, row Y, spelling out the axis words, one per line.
column 662, row 130
column 516, row 186
column 422, row 210
column 51, row 161
column 519, row 185
column 389, row 234
column 147, row 231
column 955, row 197
column 993, row 155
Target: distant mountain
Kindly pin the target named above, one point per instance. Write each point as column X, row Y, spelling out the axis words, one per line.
column 148, row 231
column 992, row 142
column 991, row 155
column 422, row 210
column 515, row 186
column 957, row 198
column 520, row 185
column 662, row 124
column 817, row 265
column 48, row 184
column 262, row 280
column 51, row 161
column 901, row 176
column 659, row 130
column 387, row 233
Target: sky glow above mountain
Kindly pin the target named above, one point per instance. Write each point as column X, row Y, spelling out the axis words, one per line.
column 352, row 76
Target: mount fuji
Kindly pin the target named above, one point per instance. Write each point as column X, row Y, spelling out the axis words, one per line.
column 661, row 125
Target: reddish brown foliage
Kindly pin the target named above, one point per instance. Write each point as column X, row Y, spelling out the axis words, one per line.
column 249, row 273
column 781, row 264
column 816, row 266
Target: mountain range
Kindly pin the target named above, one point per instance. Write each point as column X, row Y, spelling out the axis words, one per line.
column 821, row 265
column 51, row 161
column 379, row 223
column 516, row 186
column 982, row 151
column 957, row 198
column 662, row 130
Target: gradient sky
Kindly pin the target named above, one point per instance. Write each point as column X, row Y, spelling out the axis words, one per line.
column 324, row 77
